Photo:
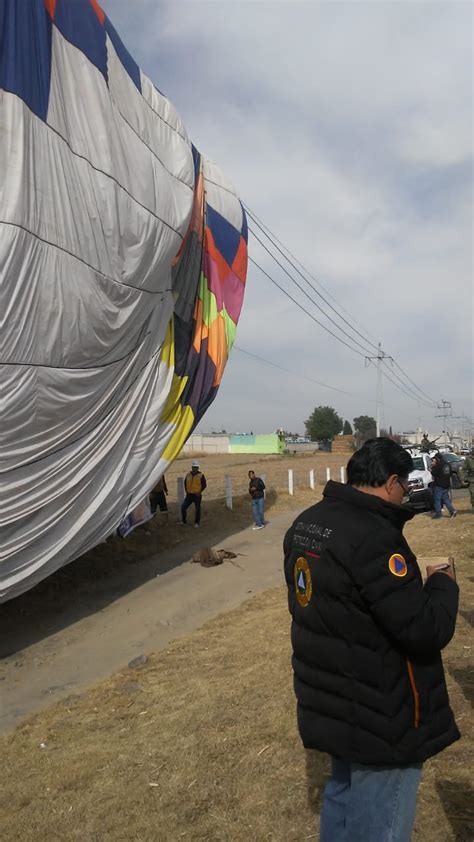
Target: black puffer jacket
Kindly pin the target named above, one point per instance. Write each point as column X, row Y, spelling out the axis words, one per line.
column 366, row 634
column 441, row 473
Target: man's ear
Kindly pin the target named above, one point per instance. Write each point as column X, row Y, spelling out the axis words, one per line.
column 391, row 482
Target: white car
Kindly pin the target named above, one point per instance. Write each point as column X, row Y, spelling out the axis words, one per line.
column 420, row 481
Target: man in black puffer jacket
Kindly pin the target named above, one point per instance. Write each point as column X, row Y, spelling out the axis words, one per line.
column 367, row 637
column 441, row 473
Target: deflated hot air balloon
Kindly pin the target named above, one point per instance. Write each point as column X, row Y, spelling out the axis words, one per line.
column 123, row 257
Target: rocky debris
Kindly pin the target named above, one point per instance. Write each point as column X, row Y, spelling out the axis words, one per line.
column 132, row 687
column 139, row 661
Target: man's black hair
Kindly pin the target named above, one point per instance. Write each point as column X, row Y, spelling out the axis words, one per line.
column 376, row 461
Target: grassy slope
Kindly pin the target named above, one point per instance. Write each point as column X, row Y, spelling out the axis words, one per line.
column 201, row 743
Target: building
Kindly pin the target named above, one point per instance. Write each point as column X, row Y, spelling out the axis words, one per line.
column 208, row 443
column 235, row 443
column 451, row 439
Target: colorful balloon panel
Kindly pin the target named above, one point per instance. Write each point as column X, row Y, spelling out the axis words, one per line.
column 123, row 259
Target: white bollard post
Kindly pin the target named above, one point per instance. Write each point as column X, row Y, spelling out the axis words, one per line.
column 311, row 479
column 343, row 473
column 180, row 489
column 328, row 474
column 228, row 490
column 290, row 481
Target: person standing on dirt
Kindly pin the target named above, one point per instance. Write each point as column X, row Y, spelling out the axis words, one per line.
column 441, row 473
column 194, row 485
column 468, row 474
column 158, row 496
column 257, row 493
column 367, row 637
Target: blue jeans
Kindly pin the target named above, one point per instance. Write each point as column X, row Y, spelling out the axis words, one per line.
column 257, row 509
column 187, row 502
column 441, row 498
column 369, row 803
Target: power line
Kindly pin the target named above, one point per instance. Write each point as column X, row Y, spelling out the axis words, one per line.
column 414, row 384
column 302, row 376
column 400, row 389
column 318, row 306
column 282, row 289
column 290, row 371
column 270, row 234
column 274, row 242
column 406, row 386
column 339, row 339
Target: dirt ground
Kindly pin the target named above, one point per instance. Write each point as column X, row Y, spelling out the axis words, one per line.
column 200, row 742
column 118, row 565
column 93, row 618
column 134, row 595
column 115, row 568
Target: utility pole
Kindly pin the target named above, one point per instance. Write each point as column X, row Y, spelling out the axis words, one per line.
column 447, row 410
column 379, row 357
column 464, row 419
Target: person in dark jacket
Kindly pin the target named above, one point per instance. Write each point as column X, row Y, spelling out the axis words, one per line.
column 441, row 473
column 468, row 474
column 194, row 484
column 367, row 637
column 158, row 496
column 257, row 493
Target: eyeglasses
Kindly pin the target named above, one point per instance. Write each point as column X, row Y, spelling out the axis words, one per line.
column 405, row 489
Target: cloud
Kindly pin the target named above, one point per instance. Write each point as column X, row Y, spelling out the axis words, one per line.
column 347, row 127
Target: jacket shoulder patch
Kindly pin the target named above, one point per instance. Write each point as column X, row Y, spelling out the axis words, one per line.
column 303, row 583
column 397, row 565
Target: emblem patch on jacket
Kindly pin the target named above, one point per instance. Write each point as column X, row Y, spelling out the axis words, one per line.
column 397, row 565
column 303, row 584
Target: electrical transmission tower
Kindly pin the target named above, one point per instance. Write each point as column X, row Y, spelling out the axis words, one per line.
column 465, row 427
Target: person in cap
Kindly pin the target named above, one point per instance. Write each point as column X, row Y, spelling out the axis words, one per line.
column 194, row 485
column 367, row 636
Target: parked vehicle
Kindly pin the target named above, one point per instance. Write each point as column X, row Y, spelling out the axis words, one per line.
column 420, row 482
column 455, row 463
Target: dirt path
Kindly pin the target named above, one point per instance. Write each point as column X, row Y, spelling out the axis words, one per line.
column 88, row 648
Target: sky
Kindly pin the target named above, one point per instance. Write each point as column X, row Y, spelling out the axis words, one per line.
column 347, row 128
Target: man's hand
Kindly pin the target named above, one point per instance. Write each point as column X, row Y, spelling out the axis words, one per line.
column 448, row 569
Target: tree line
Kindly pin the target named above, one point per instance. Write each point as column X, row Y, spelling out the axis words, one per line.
column 324, row 423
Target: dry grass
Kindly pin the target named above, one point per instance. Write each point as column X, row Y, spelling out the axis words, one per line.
column 201, row 743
